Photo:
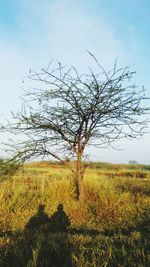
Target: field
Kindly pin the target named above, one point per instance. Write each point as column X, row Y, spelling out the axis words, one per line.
column 111, row 228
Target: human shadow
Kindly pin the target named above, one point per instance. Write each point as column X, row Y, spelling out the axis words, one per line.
column 59, row 221
column 19, row 250
column 39, row 220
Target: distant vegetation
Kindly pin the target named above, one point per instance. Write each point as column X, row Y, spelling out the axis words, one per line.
column 111, row 228
column 8, row 168
column 133, row 162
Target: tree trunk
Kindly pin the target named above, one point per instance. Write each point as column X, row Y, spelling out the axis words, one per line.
column 79, row 177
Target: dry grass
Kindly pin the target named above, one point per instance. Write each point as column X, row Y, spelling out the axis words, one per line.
column 115, row 201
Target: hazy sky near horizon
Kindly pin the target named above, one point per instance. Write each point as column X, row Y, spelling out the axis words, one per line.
column 32, row 32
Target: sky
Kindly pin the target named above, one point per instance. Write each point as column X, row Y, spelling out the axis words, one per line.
column 33, row 32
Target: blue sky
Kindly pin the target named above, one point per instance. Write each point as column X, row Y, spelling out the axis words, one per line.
column 32, row 32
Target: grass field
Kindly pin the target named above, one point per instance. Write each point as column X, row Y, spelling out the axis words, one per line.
column 111, row 228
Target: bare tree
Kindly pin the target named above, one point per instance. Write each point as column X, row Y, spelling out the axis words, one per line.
column 72, row 111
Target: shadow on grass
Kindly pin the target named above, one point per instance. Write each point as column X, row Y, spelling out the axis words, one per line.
column 46, row 245
column 43, row 243
column 36, row 249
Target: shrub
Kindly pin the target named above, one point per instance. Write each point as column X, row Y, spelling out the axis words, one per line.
column 8, row 167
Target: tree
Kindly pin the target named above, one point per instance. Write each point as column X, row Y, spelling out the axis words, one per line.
column 72, row 111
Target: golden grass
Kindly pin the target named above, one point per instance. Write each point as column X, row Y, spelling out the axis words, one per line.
column 108, row 201
column 117, row 199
